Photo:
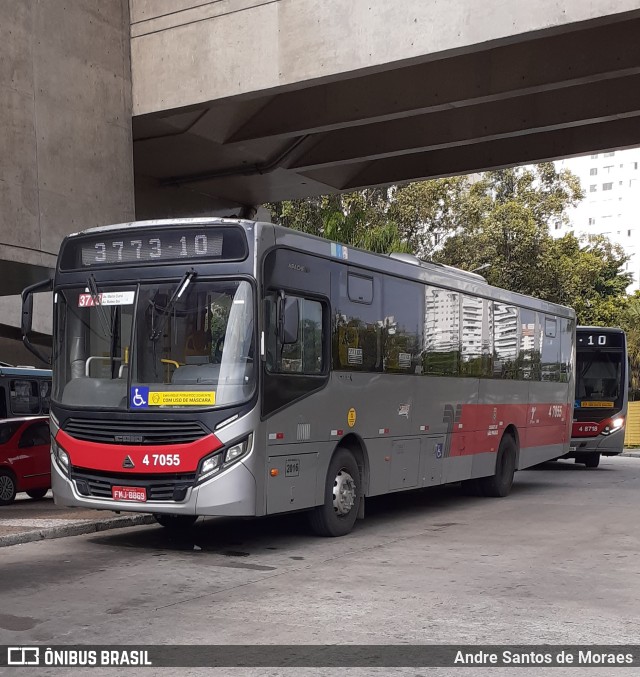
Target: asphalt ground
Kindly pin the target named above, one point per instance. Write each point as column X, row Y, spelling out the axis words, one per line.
column 556, row 563
column 28, row 520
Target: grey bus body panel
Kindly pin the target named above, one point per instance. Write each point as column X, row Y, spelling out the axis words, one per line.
column 407, row 427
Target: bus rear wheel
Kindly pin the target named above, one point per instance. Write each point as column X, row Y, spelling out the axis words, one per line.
column 175, row 523
column 499, row 484
column 337, row 515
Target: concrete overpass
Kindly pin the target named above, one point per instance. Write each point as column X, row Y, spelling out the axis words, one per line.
column 247, row 101
column 141, row 108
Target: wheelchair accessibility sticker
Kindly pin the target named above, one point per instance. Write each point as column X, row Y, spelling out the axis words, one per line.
column 141, row 398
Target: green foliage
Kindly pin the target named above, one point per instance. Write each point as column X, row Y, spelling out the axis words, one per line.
column 502, row 219
column 509, row 212
column 358, row 219
column 629, row 320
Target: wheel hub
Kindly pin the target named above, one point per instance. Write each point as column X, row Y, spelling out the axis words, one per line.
column 6, row 488
column 344, row 493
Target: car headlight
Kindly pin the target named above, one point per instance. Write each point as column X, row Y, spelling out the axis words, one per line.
column 61, row 457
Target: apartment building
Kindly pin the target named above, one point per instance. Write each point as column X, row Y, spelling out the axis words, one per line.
column 611, row 207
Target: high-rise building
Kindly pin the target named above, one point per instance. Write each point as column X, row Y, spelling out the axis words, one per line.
column 611, row 207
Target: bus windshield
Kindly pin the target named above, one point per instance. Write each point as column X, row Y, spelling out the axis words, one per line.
column 599, row 378
column 155, row 346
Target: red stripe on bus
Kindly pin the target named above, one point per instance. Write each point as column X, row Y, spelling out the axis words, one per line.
column 153, row 458
column 483, row 425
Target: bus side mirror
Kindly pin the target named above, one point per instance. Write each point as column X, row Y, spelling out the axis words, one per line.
column 27, row 314
column 289, row 320
column 26, row 319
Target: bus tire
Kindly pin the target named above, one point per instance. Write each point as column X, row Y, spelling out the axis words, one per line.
column 591, row 460
column 8, row 487
column 499, row 484
column 337, row 515
column 175, row 523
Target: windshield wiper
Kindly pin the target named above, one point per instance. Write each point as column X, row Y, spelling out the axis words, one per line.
column 166, row 311
column 95, row 297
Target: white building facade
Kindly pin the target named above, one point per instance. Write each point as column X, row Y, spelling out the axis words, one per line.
column 611, row 207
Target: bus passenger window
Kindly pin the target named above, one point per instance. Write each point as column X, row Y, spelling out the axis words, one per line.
column 25, row 397
column 45, row 396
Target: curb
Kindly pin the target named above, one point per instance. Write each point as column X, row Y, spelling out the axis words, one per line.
column 87, row 527
column 635, row 454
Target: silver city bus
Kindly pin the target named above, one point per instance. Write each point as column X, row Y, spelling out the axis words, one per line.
column 602, row 392
column 221, row 367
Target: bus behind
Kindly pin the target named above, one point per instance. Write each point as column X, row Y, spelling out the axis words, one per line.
column 600, row 408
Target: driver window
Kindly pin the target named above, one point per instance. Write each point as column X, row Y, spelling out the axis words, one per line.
column 305, row 356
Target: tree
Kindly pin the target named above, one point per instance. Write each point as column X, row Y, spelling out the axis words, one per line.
column 359, row 219
column 630, row 322
column 506, row 216
column 587, row 275
column 500, row 220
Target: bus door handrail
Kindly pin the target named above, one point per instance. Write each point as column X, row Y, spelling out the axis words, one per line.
column 87, row 366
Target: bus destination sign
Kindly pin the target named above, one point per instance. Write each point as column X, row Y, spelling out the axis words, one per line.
column 595, row 339
column 146, row 246
column 162, row 247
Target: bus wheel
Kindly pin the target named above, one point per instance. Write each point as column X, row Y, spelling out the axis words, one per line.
column 592, row 460
column 337, row 515
column 8, row 487
column 175, row 522
column 500, row 484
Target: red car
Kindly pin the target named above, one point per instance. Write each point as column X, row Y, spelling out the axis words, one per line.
column 25, row 464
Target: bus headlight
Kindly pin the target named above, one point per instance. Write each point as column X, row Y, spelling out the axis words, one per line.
column 238, row 450
column 214, row 463
column 209, row 466
column 61, row 457
column 612, row 424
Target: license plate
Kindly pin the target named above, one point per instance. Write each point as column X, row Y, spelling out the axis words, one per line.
column 138, row 494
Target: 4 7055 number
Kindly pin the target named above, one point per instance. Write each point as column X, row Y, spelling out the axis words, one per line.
column 163, row 460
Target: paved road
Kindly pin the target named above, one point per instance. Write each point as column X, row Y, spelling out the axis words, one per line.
column 557, row 562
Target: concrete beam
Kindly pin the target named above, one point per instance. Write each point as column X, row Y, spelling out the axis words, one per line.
column 574, row 106
column 186, row 52
column 492, row 74
column 484, row 156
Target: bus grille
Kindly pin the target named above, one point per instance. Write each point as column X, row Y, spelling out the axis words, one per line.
column 134, row 432
column 173, row 488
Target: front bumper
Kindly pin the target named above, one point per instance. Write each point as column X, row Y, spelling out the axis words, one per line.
column 231, row 493
column 608, row 445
